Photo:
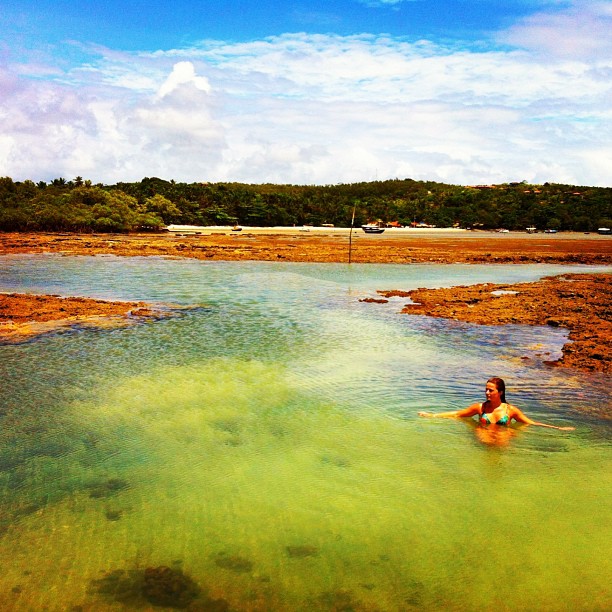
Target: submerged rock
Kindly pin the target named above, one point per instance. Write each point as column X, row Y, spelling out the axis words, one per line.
column 301, row 551
column 109, row 487
column 164, row 586
column 120, row 585
column 160, row 586
column 113, row 515
column 341, row 601
column 234, row 563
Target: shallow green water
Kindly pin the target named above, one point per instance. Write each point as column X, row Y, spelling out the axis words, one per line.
column 267, row 445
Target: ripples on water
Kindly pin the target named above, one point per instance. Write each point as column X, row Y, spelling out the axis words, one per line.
column 267, row 445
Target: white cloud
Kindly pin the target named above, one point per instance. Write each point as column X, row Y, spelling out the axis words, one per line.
column 579, row 31
column 108, row 133
column 311, row 109
column 183, row 72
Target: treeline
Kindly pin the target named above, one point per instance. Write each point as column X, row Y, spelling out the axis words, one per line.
column 80, row 206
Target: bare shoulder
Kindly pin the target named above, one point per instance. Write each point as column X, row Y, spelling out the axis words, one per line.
column 476, row 408
column 514, row 410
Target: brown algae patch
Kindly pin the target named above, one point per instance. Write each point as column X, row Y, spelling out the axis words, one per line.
column 234, row 563
column 161, row 586
column 107, row 488
column 301, row 551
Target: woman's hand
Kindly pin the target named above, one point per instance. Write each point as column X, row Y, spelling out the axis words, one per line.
column 425, row 414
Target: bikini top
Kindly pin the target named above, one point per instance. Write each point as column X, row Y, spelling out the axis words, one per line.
column 484, row 418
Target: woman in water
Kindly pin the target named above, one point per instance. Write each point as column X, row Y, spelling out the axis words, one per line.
column 495, row 410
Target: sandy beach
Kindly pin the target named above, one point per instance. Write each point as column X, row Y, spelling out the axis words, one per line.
column 579, row 303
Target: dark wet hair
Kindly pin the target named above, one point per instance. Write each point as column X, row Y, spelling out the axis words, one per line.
column 500, row 385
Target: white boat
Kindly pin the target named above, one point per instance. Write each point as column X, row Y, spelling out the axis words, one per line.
column 370, row 228
column 186, row 229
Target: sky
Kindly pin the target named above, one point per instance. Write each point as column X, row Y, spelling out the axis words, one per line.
column 307, row 91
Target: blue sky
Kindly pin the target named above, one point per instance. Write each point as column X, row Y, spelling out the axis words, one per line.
column 162, row 24
column 307, row 91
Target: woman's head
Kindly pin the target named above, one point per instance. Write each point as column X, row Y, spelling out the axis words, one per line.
column 500, row 386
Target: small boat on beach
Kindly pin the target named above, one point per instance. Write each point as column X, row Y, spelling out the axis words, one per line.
column 370, row 228
column 185, row 229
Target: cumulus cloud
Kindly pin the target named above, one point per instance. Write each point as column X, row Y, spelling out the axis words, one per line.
column 182, row 73
column 319, row 109
column 83, row 126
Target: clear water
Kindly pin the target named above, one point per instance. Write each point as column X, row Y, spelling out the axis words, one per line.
column 267, row 444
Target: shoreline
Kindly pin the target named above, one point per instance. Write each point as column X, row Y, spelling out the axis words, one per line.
column 329, row 245
column 24, row 316
column 577, row 302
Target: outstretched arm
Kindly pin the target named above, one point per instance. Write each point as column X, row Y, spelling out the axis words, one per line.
column 466, row 412
column 520, row 417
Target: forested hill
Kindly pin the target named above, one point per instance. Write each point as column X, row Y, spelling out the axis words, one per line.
column 80, row 206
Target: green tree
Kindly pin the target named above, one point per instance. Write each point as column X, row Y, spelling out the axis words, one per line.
column 163, row 209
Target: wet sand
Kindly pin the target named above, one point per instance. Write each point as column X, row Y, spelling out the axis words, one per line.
column 579, row 303
column 329, row 245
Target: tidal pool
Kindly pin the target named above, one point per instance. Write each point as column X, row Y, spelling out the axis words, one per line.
column 266, row 445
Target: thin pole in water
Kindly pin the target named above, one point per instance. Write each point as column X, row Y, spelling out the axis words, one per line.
column 351, row 232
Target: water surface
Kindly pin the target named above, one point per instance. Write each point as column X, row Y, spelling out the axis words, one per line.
column 266, row 443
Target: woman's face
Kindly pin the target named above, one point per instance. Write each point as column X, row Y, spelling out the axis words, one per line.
column 491, row 392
